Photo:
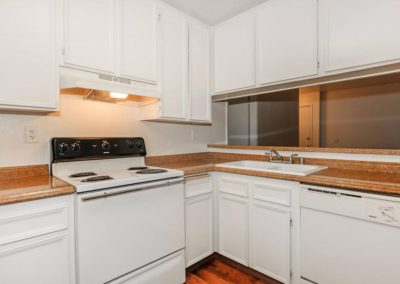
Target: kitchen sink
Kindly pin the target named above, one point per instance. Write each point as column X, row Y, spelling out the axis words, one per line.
column 279, row 168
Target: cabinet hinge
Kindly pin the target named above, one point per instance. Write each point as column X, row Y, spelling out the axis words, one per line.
column 291, row 222
column 291, row 273
column 318, row 64
column 159, row 17
column 63, row 51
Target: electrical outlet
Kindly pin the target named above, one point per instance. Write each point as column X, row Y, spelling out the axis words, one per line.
column 31, row 134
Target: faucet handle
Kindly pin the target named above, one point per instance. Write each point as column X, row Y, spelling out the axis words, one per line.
column 269, row 154
column 291, row 157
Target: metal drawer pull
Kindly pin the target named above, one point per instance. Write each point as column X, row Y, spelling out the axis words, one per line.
column 119, row 192
column 196, row 176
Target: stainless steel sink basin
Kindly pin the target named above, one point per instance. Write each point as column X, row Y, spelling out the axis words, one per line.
column 289, row 169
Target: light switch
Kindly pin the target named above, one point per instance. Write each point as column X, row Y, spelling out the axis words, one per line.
column 31, row 134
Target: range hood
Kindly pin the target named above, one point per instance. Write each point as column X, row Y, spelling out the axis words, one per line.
column 73, row 78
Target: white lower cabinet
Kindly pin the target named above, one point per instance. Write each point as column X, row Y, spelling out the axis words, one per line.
column 270, row 240
column 199, row 218
column 37, row 242
column 254, row 223
column 234, row 227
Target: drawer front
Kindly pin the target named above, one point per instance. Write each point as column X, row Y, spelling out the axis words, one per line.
column 169, row 270
column 234, row 185
column 31, row 219
column 198, row 185
column 271, row 192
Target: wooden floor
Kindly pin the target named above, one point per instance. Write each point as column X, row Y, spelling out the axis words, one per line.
column 218, row 271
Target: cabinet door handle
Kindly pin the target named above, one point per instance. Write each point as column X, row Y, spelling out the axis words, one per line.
column 198, row 176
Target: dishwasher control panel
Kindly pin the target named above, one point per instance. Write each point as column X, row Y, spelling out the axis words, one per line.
column 370, row 207
column 383, row 211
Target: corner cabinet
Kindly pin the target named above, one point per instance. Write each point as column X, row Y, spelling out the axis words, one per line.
column 185, row 69
column 368, row 28
column 28, row 69
column 37, row 241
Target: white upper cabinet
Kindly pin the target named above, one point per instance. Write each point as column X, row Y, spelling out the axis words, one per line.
column 185, row 70
column 234, row 44
column 174, row 29
column 359, row 33
column 286, row 40
column 28, row 57
column 199, row 72
column 138, row 40
column 89, row 34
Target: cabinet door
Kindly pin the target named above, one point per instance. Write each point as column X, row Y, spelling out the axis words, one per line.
column 199, row 228
column 287, row 40
column 356, row 33
column 28, row 65
column 138, row 40
column 270, row 240
column 36, row 238
column 234, row 227
column 235, row 53
column 199, row 72
column 44, row 260
column 89, row 34
column 175, row 64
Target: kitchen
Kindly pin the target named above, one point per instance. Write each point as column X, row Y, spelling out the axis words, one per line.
column 146, row 141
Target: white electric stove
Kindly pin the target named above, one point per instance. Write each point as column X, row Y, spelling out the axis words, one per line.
column 129, row 217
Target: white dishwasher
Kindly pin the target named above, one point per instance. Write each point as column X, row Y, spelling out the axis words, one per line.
column 349, row 237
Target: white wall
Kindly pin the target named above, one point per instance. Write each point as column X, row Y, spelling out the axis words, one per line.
column 80, row 118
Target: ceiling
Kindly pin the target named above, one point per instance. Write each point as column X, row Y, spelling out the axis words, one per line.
column 213, row 12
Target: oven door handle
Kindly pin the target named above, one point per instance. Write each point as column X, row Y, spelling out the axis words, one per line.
column 128, row 190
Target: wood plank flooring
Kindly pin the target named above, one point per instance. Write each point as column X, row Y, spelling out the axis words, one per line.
column 220, row 271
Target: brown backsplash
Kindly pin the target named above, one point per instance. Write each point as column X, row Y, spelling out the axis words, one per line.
column 24, row 171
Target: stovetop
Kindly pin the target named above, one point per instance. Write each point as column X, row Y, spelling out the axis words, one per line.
column 94, row 175
column 89, row 169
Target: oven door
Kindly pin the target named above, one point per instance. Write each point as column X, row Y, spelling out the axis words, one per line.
column 122, row 229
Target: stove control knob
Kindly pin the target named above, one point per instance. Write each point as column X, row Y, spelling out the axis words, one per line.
column 63, row 147
column 76, row 147
column 130, row 144
column 138, row 144
column 105, row 145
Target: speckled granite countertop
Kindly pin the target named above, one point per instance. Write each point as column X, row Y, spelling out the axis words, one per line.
column 18, row 184
column 368, row 179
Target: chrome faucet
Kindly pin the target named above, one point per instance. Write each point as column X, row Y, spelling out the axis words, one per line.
column 279, row 158
column 271, row 153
